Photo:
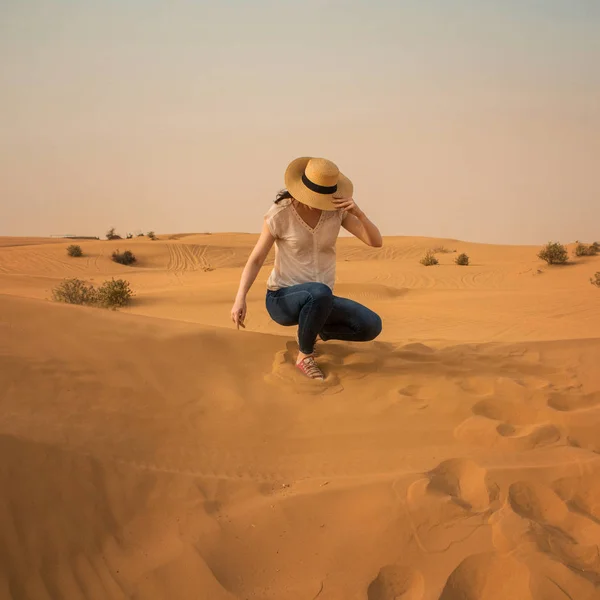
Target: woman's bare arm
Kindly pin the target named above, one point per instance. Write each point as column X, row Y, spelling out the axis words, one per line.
column 253, row 266
column 358, row 224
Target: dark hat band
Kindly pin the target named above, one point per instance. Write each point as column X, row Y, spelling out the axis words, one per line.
column 319, row 189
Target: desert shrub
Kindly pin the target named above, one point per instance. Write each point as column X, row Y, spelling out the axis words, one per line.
column 111, row 294
column 123, row 258
column 462, row 260
column 151, row 235
column 74, row 291
column 595, row 280
column 441, row 250
column 554, row 253
column 129, row 236
column 111, row 234
column 429, row 259
column 140, row 235
column 74, row 250
column 114, row 293
column 584, row 250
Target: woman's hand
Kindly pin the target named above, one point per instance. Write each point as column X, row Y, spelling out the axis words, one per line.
column 357, row 223
column 347, row 205
column 238, row 312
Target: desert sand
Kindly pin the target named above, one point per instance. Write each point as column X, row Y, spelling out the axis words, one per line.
column 157, row 452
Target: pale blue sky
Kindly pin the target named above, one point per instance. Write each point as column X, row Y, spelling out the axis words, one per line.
column 471, row 119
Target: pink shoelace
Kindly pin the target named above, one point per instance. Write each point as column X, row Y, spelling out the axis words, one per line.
column 309, row 367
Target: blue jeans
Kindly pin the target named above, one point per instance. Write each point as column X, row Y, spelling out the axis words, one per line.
column 317, row 312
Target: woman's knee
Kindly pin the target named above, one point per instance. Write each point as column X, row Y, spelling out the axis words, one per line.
column 372, row 327
column 320, row 292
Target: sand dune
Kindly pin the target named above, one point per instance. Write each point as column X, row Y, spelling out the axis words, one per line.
column 156, row 452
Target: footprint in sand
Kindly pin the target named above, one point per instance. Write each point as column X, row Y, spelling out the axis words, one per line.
column 582, row 494
column 408, row 397
column 507, row 411
column 585, row 436
column 572, row 538
column 574, row 521
column 538, row 503
column 488, row 576
column 584, row 559
column 488, row 433
column 479, row 386
column 451, row 505
column 514, row 423
column 463, row 480
column 397, row 582
column 576, row 401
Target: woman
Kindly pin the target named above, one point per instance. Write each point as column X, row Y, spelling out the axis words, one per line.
column 304, row 224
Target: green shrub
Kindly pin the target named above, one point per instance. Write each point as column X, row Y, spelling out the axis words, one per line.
column 74, row 291
column 151, row 235
column 429, row 259
column 123, row 258
column 462, row 260
column 74, row 250
column 554, row 253
column 114, row 293
column 583, row 250
column 595, row 280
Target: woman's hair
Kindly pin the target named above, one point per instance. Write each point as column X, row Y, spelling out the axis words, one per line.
column 282, row 195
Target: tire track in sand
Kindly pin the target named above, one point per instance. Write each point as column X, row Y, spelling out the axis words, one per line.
column 187, row 257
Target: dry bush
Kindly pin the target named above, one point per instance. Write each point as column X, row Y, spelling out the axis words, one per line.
column 429, row 259
column 151, row 235
column 595, row 280
column 111, row 294
column 554, row 253
column 74, row 291
column 442, row 250
column 462, row 260
column 585, row 250
column 124, row 258
column 114, row 293
column 111, row 234
column 74, row 250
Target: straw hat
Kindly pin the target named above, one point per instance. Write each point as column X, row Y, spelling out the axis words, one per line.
column 315, row 181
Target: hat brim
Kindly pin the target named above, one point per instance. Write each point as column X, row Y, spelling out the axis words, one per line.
column 295, row 186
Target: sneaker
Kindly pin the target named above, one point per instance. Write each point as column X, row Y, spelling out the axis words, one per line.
column 309, row 367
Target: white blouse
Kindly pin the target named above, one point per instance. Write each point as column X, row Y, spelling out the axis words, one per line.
column 302, row 254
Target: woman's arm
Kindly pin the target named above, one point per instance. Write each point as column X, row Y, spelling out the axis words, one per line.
column 358, row 224
column 254, row 264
